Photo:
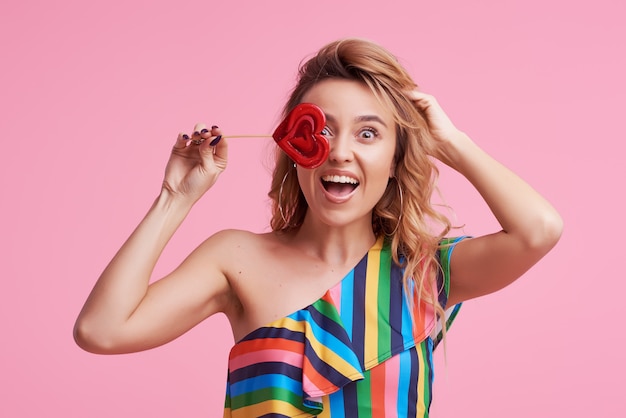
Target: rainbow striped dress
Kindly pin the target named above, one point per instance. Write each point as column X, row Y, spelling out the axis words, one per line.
column 355, row 352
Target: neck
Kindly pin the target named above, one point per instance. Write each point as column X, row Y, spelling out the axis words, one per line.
column 335, row 245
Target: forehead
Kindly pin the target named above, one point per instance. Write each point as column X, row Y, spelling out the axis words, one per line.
column 352, row 99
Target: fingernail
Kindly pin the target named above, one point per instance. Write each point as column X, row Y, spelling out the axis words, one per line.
column 214, row 127
column 204, row 131
column 196, row 133
column 215, row 141
column 186, row 137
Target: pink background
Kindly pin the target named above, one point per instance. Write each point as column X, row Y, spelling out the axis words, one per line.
column 93, row 94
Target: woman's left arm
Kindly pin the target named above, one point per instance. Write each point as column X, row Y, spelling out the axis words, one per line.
column 530, row 225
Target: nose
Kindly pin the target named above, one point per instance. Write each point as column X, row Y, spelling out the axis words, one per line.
column 340, row 149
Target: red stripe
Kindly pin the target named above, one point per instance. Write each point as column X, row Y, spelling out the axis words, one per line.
column 377, row 381
column 317, row 379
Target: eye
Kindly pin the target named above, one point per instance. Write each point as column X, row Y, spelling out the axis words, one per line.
column 368, row 134
column 325, row 131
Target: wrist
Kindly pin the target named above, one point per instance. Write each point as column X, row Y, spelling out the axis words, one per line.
column 173, row 203
column 455, row 148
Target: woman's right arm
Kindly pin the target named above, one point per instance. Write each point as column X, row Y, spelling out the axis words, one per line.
column 124, row 312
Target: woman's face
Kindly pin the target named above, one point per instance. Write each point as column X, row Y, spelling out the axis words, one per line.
column 362, row 137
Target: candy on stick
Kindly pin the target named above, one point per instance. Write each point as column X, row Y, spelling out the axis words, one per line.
column 300, row 136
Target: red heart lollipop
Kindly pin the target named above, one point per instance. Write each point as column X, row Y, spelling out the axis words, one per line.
column 300, row 135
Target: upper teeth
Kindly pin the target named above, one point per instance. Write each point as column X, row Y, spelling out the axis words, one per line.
column 340, row 179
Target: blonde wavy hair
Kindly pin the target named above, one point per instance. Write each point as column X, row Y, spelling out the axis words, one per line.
column 407, row 220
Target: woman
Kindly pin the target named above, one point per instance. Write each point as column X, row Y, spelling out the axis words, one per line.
column 337, row 310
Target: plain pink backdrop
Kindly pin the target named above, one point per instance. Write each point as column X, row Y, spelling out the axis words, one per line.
column 93, row 94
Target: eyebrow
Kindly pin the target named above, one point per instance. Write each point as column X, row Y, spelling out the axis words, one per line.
column 364, row 118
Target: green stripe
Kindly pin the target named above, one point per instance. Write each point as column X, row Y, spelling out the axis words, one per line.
column 444, row 259
column 364, row 397
column 271, row 393
column 328, row 310
column 384, row 299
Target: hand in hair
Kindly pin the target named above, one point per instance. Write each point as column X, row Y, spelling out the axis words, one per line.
column 445, row 133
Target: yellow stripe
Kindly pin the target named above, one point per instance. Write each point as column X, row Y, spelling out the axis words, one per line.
column 341, row 365
column 323, row 352
column 421, row 381
column 326, row 405
column 268, row 407
column 371, row 302
column 288, row 323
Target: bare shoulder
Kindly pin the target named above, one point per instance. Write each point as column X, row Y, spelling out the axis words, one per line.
column 264, row 274
column 234, row 246
column 241, row 255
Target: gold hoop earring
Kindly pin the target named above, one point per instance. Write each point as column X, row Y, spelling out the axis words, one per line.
column 401, row 207
column 280, row 196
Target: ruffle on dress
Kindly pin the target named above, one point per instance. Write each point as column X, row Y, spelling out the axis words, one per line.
column 287, row 367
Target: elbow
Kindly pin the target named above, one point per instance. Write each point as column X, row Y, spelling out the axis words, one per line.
column 91, row 339
column 547, row 232
column 84, row 337
column 553, row 228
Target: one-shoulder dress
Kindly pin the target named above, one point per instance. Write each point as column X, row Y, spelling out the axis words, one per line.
column 355, row 352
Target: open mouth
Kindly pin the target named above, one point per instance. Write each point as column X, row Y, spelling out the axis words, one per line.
column 339, row 185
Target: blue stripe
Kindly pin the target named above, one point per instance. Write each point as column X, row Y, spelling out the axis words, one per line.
column 404, row 382
column 337, row 406
column 327, row 339
column 326, row 369
column 407, row 324
column 347, row 291
column 250, row 386
column 326, row 322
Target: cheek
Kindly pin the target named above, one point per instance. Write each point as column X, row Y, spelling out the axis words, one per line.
column 306, row 183
column 381, row 172
column 386, row 158
column 383, row 165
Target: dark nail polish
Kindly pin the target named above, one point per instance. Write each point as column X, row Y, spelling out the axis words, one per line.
column 196, row 133
column 215, row 141
column 186, row 137
column 204, row 131
column 214, row 127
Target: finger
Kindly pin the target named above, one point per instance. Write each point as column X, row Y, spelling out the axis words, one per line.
column 215, row 130
column 198, row 128
column 220, row 152
column 197, row 135
column 417, row 95
column 215, row 150
column 215, row 140
column 181, row 141
column 411, row 93
column 207, row 134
